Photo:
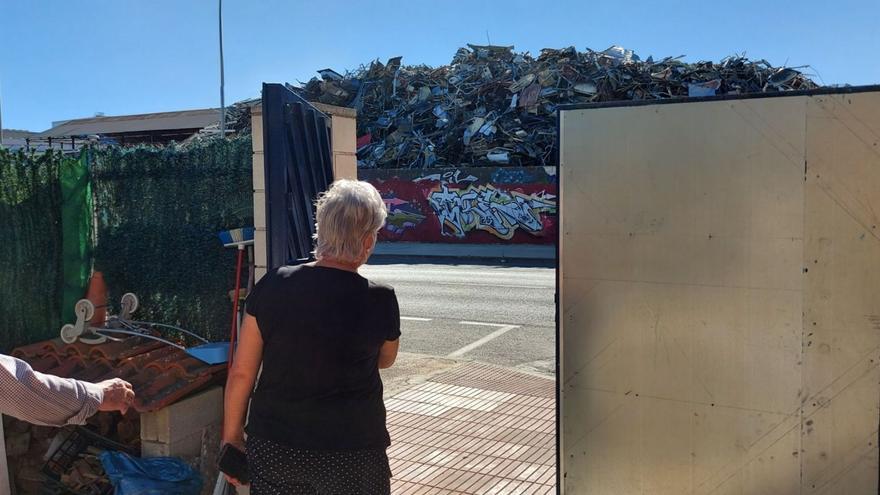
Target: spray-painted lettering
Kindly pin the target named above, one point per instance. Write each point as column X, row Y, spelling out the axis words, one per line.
column 468, row 205
column 487, row 208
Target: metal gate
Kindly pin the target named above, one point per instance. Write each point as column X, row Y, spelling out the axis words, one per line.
column 718, row 305
column 298, row 167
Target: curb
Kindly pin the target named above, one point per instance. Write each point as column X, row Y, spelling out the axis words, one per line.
column 494, row 251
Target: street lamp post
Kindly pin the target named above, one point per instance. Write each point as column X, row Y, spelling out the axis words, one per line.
column 222, row 95
column 1, row 116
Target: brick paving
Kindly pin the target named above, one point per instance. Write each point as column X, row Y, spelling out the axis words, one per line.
column 477, row 429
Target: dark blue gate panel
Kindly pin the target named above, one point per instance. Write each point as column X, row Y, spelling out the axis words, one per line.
column 298, row 165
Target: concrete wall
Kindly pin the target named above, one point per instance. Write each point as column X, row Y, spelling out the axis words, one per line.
column 487, row 205
column 342, row 144
column 720, row 273
column 343, row 140
column 179, row 429
column 259, row 181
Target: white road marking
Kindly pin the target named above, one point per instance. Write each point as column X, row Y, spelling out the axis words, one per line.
column 496, row 285
column 486, row 324
column 473, row 345
column 415, row 318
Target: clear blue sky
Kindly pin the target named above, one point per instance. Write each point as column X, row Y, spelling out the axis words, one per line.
column 71, row 58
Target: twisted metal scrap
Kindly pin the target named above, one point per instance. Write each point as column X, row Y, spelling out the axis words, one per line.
column 494, row 106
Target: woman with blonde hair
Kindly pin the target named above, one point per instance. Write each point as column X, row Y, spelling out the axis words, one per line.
column 321, row 332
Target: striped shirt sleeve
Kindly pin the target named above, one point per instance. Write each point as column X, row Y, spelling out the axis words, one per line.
column 45, row 399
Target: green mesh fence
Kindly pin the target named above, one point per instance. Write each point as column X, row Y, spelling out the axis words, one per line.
column 76, row 228
column 31, row 278
column 158, row 212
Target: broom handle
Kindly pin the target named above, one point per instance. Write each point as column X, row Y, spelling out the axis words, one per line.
column 234, row 327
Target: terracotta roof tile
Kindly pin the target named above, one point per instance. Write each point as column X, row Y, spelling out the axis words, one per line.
column 161, row 375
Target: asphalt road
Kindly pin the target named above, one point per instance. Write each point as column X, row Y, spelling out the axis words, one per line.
column 501, row 314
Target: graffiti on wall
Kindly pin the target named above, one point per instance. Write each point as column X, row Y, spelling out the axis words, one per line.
column 487, row 208
column 401, row 215
column 451, row 177
column 477, row 205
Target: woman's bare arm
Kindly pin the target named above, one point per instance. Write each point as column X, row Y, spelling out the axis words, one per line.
column 388, row 353
column 240, row 385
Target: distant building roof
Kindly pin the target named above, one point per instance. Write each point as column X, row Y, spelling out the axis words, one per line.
column 16, row 138
column 17, row 134
column 164, row 121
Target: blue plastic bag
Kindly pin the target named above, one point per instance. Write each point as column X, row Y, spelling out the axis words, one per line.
column 150, row 476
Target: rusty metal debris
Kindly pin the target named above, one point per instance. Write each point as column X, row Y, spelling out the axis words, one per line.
column 65, row 460
column 494, row 106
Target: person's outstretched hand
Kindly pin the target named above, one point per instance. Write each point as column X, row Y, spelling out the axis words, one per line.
column 118, row 395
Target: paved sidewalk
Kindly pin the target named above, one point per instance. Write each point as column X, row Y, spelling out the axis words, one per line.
column 474, row 429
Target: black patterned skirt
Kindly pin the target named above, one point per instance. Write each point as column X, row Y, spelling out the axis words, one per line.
column 277, row 469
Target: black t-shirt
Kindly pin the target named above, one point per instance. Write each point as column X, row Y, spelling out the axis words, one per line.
column 320, row 387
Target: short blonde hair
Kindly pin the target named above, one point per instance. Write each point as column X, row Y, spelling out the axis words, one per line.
column 346, row 213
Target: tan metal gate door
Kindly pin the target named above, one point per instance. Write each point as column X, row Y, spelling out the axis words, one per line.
column 720, row 296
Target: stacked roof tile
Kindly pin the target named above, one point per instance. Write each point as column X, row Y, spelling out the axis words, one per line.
column 160, row 375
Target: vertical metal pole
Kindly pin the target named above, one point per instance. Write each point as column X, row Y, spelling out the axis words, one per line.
column 233, row 331
column 1, row 116
column 222, row 95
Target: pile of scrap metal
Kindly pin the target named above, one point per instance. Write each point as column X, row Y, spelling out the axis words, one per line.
column 238, row 116
column 238, row 122
column 493, row 106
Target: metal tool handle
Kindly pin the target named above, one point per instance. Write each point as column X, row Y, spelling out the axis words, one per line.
column 162, row 325
column 101, row 331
